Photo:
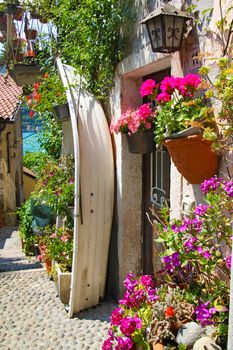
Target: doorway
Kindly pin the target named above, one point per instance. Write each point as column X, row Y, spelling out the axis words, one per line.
column 155, row 193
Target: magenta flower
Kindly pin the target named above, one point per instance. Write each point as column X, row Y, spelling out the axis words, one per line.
column 204, row 314
column 163, row 98
column 228, row 186
column 116, row 316
column 228, row 261
column 130, row 282
column 189, row 244
column 147, row 87
column 107, row 345
column 147, row 280
column 144, row 111
column 210, row 184
column 71, row 181
column 171, row 262
column 124, row 343
column 169, row 84
column 201, row 209
column 130, row 324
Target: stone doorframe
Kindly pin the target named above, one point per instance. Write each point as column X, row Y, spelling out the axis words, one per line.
column 129, row 171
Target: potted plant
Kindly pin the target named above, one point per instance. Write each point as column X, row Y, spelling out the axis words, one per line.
column 57, row 246
column 180, row 118
column 49, row 96
column 137, row 125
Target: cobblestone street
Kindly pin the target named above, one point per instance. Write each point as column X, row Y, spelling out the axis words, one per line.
column 32, row 316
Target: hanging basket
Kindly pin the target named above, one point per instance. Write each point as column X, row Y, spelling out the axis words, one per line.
column 141, row 142
column 62, row 112
column 193, row 157
column 24, row 74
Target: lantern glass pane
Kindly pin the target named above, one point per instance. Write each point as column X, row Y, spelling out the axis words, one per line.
column 155, row 32
column 174, row 30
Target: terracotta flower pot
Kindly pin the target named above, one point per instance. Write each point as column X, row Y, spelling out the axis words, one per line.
column 141, row 142
column 193, row 157
column 48, row 264
column 158, row 346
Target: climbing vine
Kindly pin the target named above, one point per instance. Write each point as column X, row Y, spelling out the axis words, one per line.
column 91, row 37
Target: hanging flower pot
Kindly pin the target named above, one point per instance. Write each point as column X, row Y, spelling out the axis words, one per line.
column 193, row 157
column 24, row 74
column 158, row 346
column 30, row 34
column 141, row 142
column 18, row 15
column 19, row 57
column 62, row 112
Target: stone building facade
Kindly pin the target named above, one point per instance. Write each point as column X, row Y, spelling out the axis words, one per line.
column 143, row 180
column 11, row 179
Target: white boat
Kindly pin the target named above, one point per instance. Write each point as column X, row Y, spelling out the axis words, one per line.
column 94, row 192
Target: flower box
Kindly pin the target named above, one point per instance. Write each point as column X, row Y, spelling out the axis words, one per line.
column 63, row 280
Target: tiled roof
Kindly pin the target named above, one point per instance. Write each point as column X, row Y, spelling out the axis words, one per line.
column 10, row 95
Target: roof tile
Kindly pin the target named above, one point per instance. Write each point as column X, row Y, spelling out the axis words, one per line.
column 10, row 95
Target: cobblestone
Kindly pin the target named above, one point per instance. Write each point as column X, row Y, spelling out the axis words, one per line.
column 32, row 315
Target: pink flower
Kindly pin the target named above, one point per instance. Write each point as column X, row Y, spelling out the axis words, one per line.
column 148, row 125
column 64, row 239
column 116, row 316
column 163, row 98
column 39, row 258
column 189, row 85
column 53, row 235
column 144, row 111
column 169, row 84
column 147, row 87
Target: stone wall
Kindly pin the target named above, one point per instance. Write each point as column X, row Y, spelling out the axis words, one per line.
column 11, row 191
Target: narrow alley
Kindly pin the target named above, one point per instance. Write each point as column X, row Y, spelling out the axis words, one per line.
column 32, row 316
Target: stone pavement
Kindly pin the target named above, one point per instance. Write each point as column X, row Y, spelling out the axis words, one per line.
column 31, row 314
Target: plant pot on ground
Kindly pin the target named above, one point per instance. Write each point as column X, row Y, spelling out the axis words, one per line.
column 63, row 280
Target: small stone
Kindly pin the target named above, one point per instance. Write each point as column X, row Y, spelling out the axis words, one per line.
column 188, row 334
column 206, row 343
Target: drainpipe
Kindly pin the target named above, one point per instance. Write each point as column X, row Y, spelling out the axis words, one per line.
column 8, row 152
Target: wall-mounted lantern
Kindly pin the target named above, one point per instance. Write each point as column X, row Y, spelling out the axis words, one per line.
column 166, row 26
